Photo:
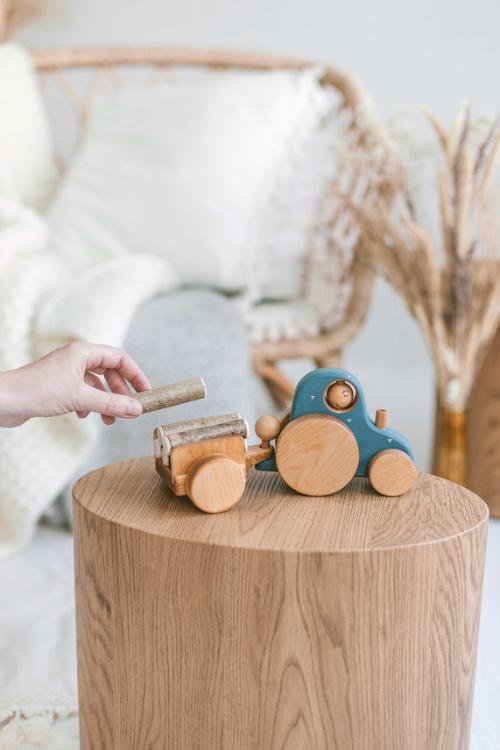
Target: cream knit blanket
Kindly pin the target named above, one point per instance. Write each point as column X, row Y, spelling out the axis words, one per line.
column 43, row 303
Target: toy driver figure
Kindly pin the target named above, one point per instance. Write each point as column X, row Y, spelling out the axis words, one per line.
column 340, row 395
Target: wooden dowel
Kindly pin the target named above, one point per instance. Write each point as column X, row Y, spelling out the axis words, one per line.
column 190, row 424
column 164, row 433
column 227, row 429
column 172, row 395
column 381, row 418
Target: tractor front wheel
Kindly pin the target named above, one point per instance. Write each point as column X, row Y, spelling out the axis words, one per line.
column 392, row 472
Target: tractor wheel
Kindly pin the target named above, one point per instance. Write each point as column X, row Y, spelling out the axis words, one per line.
column 317, row 454
column 392, row 472
column 215, row 483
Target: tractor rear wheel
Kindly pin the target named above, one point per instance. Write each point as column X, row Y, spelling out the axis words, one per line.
column 317, row 454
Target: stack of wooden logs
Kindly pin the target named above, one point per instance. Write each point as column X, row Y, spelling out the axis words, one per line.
column 190, row 431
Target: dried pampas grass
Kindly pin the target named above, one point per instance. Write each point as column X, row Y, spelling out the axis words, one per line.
column 14, row 14
column 451, row 287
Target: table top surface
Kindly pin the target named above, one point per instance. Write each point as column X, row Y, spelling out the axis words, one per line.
column 270, row 516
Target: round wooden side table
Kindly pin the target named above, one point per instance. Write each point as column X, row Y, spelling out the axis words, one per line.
column 289, row 622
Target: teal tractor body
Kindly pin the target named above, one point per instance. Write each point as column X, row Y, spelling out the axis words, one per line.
column 311, row 397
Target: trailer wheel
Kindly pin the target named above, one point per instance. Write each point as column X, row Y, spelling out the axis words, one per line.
column 215, row 483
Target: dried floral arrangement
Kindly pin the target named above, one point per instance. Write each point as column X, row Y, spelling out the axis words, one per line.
column 451, row 286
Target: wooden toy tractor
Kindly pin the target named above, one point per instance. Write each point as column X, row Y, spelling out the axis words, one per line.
column 327, row 438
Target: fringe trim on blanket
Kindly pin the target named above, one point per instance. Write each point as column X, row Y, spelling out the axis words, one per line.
column 31, row 724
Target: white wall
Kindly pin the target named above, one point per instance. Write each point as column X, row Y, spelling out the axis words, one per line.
column 433, row 53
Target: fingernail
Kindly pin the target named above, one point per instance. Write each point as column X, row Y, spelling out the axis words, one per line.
column 134, row 408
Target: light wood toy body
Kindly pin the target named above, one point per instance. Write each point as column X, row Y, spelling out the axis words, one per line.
column 325, row 440
column 207, row 459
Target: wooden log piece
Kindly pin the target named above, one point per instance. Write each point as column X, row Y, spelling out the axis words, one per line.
column 189, row 424
column 161, row 443
column 172, row 395
column 196, row 434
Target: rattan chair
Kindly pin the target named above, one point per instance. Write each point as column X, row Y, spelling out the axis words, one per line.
column 59, row 69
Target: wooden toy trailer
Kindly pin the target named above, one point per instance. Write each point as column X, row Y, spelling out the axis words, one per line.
column 207, row 458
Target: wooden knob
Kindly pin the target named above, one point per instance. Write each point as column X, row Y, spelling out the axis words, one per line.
column 381, row 418
column 340, row 395
column 267, row 429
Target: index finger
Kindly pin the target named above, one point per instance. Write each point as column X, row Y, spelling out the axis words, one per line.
column 101, row 358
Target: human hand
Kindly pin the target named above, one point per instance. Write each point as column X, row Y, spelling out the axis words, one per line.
column 68, row 379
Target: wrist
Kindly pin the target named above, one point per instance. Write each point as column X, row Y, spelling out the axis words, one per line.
column 14, row 406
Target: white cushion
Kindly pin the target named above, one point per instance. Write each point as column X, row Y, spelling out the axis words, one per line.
column 25, row 145
column 189, row 171
column 294, row 212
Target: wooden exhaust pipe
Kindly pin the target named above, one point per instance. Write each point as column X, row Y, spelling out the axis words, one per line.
column 172, row 395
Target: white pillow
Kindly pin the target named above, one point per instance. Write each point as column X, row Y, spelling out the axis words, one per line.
column 187, row 171
column 25, row 146
column 296, row 207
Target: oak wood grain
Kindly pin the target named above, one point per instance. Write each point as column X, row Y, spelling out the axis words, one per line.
column 287, row 623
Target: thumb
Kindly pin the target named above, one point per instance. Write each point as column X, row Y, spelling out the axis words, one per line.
column 111, row 404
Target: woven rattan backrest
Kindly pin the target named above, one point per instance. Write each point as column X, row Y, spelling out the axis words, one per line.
column 71, row 77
